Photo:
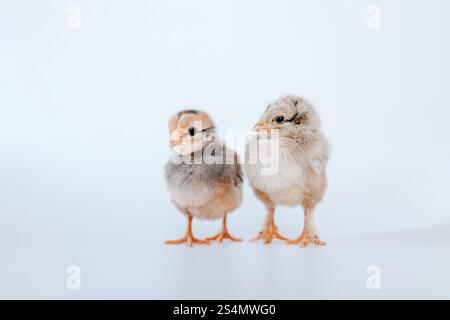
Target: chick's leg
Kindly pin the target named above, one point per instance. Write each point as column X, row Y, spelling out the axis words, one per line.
column 188, row 238
column 308, row 235
column 270, row 230
column 223, row 234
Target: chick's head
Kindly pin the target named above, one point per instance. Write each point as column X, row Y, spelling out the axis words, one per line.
column 190, row 131
column 291, row 117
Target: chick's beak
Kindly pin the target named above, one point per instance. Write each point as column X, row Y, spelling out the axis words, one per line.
column 173, row 143
column 175, row 138
column 261, row 126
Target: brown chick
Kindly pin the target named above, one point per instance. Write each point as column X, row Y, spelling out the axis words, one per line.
column 203, row 176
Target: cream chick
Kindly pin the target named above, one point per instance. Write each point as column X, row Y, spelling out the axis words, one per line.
column 203, row 176
column 301, row 157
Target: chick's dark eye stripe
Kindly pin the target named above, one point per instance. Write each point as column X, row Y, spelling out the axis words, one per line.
column 291, row 119
column 207, row 129
column 204, row 130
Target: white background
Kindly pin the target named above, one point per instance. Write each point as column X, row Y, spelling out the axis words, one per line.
column 83, row 140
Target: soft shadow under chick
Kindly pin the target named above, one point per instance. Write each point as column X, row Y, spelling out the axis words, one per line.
column 203, row 176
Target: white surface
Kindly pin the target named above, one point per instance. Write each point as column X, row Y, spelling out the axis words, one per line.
column 121, row 264
column 83, row 140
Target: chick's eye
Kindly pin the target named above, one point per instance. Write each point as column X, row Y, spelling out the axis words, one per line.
column 279, row 119
column 192, row 131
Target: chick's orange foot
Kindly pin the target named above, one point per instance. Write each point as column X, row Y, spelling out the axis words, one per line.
column 306, row 239
column 221, row 236
column 268, row 234
column 189, row 240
